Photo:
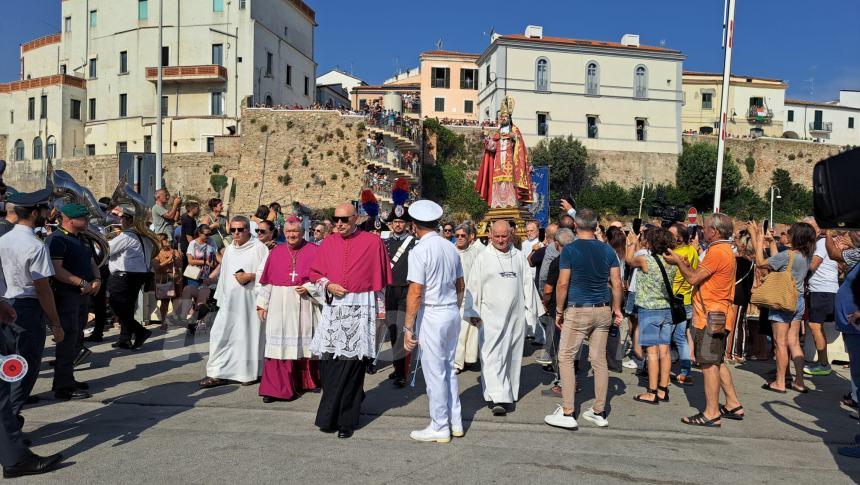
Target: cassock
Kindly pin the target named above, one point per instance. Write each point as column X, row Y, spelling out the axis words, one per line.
column 533, row 329
column 499, row 292
column 346, row 335
column 395, row 298
column 290, row 323
column 235, row 341
column 467, row 342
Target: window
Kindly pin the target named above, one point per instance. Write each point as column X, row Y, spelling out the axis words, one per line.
column 217, row 5
column 307, row 85
column 468, row 79
column 164, row 109
column 757, row 102
column 439, row 104
column 542, row 75
column 210, row 144
column 218, row 54
column 640, row 82
column 542, row 128
column 469, row 106
column 37, row 148
column 93, row 19
column 791, row 115
column 121, row 147
column 52, row 147
column 362, row 104
column 591, row 126
column 488, row 73
column 165, row 56
column 592, row 79
column 93, row 68
column 242, row 4
column 142, row 9
column 19, row 150
column 289, row 75
column 31, row 109
column 43, row 104
column 640, row 129
column 850, row 122
column 123, row 62
column 123, row 105
column 91, row 150
column 12, row 117
column 268, row 64
column 286, row 31
column 67, row 24
column 75, row 109
column 268, row 101
column 62, row 69
column 91, row 112
column 147, row 143
column 217, row 109
column 707, row 100
column 440, row 77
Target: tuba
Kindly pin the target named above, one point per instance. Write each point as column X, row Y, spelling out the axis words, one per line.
column 65, row 190
column 125, row 194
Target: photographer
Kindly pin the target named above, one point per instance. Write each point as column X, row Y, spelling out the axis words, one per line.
column 164, row 216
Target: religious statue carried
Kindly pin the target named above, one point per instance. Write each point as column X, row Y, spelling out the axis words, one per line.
column 504, row 179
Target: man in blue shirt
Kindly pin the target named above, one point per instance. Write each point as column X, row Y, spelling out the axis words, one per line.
column 585, row 308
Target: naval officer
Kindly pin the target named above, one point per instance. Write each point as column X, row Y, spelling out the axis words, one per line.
column 433, row 320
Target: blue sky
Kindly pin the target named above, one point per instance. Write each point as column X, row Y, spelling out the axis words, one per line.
column 815, row 46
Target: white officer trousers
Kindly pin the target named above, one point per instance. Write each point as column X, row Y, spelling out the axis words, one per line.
column 439, row 327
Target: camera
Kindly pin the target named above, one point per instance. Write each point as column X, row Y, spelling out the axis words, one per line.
column 668, row 214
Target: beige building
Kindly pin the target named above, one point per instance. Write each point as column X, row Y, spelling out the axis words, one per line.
column 756, row 105
column 449, row 85
column 97, row 77
column 613, row 96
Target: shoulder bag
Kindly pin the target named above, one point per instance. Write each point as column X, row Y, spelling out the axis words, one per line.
column 167, row 290
column 777, row 290
column 676, row 302
column 192, row 272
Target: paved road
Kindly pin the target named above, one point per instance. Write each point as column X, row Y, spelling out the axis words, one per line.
column 148, row 422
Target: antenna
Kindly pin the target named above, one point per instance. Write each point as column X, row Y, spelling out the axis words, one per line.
column 439, row 44
column 662, row 42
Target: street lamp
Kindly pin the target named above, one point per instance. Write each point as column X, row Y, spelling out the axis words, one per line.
column 778, row 196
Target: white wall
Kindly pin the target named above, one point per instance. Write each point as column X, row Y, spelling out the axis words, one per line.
column 840, row 135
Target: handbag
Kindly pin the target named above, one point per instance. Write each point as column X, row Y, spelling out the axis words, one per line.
column 192, row 272
column 676, row 302
column 166, row 291
column 777, row 290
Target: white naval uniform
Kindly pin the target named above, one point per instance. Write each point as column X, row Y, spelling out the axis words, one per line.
column 435, row 264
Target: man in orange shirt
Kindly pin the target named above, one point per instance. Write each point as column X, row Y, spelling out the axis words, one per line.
column 714, row 280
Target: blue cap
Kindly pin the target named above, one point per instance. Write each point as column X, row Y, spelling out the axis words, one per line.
column 30, row 199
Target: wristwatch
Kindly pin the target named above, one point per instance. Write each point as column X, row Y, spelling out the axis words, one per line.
column 84, row 283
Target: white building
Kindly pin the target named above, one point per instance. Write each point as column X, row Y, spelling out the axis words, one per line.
column 338, row 77
column 830, row 122
column 91, row 88
column 611, row 96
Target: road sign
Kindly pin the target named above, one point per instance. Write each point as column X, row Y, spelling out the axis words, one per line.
column 692, row 215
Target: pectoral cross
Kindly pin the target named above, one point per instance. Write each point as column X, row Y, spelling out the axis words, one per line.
column 293, row 275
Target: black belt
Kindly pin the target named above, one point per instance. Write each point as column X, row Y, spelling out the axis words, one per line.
column 123, row 274
column 589, row 305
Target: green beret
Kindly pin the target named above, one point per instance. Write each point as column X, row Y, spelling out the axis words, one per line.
column 73, row 211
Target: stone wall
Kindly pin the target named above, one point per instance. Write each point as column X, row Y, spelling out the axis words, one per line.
column 627, row 169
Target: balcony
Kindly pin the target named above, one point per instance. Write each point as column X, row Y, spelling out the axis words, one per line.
column 760, row 114
column 821, row 126
column 211, row 73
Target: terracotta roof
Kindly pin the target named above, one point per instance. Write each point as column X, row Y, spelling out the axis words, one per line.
column 450, row 54
column 305, row 9
column 719, row 74
column 587, row 43
column 42, row 82
column 41, row 42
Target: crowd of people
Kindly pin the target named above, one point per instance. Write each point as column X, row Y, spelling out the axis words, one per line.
column 299, row 306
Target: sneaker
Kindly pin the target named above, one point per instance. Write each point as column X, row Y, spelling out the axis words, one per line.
column 561, row 420
column 544, row 358
column 457, row 431
column 598, row 419
column 817, row 370
column 429, row 435
column 499, row 409
column 630, row 364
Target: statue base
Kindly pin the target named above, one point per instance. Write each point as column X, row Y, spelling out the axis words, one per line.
column 519, row 215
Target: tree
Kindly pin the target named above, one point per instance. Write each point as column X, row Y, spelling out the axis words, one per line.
column 696, row 175
column 796, row 200
column 745, row 204
column 569, row 169
column 448, row 182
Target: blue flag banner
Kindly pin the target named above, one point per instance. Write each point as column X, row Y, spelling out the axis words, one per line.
column 540, row 188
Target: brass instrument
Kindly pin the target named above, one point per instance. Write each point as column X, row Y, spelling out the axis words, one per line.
column 125, row 194
column 64, row 190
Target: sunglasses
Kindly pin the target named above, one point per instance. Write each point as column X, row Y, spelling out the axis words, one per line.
column 317, row 230
column 447, row 230
column 238, row 229
column 261, row 231
column 343, row 219
column 459, row 235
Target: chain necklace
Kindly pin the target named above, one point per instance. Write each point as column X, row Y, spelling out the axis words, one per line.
column 295, row 256
column 505, row 274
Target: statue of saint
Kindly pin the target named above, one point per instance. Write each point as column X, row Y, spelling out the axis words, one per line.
column 504, row 179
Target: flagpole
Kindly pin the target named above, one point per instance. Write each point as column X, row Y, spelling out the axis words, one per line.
column 728, row 44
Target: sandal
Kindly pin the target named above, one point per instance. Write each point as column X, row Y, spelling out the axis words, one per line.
column 701, row 420
column 731, row 413
column 849, row 401
column 211, row 382
column 803, row 390
column 766, row 387
column 648, row 401
column 665, row 397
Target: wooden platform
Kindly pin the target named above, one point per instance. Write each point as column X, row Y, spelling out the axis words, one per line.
column 520, row 216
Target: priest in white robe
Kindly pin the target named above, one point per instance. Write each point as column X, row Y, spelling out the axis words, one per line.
column 499, row 294
column 289, row 311
column 530, row 245
column 467, row 342
column 236, row 339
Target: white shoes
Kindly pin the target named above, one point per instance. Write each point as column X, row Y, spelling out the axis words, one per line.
column 457, row 431
column 595, row 418
column 429, row 435
column 560, row 420
column 544, row 358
